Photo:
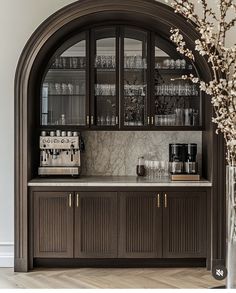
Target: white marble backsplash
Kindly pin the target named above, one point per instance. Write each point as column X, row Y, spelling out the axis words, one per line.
column 115, row 153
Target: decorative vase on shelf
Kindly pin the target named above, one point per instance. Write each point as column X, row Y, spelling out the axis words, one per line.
column 231, row 226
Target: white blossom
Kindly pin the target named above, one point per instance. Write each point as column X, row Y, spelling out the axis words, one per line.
column 213, row 27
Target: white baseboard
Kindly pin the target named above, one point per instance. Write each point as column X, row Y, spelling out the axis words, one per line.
column 6, row 254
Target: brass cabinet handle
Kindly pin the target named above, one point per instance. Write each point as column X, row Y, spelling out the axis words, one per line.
column 158, row 201
column 70, row 200
column 117, row 120
column 92, row 120
column 148, row 120
column 87, row 120
column 77, row 200
column 166, row 200
column 152, row 120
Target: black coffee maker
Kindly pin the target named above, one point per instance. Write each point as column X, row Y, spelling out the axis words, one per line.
column 190, row 158
column 182, row 158
column 176, row 158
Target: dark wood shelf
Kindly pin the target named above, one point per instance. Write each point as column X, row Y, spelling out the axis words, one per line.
column 105, row 69
column 176, row 96
column 135, row 69
column 104, row 96
column 66, row 69
column 66, row 95
column 174, row 71
column 123, row 128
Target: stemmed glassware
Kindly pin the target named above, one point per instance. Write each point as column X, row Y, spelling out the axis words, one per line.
column 155, row 169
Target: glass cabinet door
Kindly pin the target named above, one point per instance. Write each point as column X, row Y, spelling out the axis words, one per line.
column 104, row 106
column 64, row 94
column 134, row 92
column 177, row 102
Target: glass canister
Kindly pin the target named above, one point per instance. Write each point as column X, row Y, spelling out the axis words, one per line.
column 140, row 169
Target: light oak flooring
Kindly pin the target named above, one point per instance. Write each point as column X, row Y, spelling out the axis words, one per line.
column 92, row 278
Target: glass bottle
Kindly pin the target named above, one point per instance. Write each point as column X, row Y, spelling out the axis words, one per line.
column 140, row 169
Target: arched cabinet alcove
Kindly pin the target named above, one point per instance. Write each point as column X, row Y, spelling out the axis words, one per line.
column 85, row 52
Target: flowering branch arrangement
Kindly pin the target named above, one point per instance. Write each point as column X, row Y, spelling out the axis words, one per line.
column 213, row 26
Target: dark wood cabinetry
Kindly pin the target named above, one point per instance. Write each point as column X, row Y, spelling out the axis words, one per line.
column 162, row 224
column 95, row 224
column 140, row 227
column 53, row 224
column 121, row 225
column 184, row 224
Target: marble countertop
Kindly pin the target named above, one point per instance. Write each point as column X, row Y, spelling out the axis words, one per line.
column 121, row 181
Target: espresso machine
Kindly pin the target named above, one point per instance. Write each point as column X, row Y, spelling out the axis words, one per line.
column 183, row 161
column 59, row 153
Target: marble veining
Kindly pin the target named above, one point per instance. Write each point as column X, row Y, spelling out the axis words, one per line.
column 115, row 153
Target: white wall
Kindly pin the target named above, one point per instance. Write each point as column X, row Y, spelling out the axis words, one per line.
column 18, row 20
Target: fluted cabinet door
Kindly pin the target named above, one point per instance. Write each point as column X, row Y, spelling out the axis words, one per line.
column 140, row 229
column 53, row 224
column 96, row 224
column 184, row 225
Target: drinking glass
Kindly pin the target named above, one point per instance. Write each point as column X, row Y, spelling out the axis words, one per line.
column 146, row 164
column 82, row 62
column 131, row 62
column 64, row 88
column 187, row 116
column 113, row 120
column 75, row 62
column 113, row 61
column 178, row 64
column 58, row 88
column 156, row 166
column 179, row 116
column 183, row 64
column 172, row 64
column 98, row 62
column 166, row 64
column 152, row 169
column 195, row 117
column 64, row 62
column 162, row 169
column 102, row 119
column 70, row 88
column 108, row 120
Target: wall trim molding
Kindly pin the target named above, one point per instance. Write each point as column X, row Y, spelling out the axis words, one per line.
column 6, row 254
column 6, row 243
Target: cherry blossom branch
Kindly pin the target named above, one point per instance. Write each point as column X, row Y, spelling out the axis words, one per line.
column 212, row 45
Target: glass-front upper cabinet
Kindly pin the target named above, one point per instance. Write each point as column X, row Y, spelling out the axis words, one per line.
column 176, row 102
column 64, row 90
column 120, row 77
column 134, row 87
column 105, row 88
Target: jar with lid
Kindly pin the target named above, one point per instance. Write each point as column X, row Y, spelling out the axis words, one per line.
column 140, row 169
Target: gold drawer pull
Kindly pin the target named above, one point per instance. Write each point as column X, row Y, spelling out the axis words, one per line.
column 70, row 200
column 158, row 201
column 166, row 201
column 148, row 120
column 152, row 120
column 92, row 120
column 87, row 120
column 77, row 200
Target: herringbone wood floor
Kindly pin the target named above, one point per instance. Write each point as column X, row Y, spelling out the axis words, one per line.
column 109, row 278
